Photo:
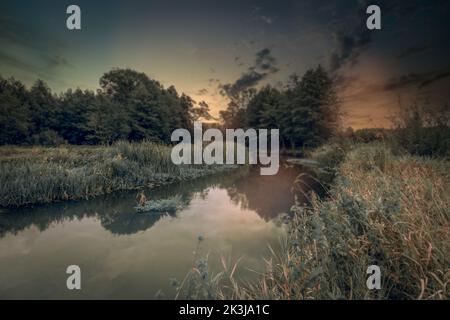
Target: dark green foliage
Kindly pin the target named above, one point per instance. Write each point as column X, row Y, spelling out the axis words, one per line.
column 14, row 112
column 306, row 113
column 314, row 108
column 75, row 107
column 129, row 106
column 235, row 116
column 424, row 131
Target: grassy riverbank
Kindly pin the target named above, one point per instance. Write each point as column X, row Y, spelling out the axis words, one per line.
column 30, row 175
column 384, row 209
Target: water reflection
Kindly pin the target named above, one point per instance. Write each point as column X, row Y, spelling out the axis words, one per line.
column 125, row 254
column 266, row 195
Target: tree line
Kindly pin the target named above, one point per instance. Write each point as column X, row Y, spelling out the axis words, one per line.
column 306, row 111
column 128, row 106
column 131, row 106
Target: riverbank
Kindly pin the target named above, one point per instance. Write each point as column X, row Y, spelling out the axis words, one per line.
column 383, row 208
column 33, row 175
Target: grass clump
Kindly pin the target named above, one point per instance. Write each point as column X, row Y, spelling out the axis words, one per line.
column 171, row 204
column 30, row 175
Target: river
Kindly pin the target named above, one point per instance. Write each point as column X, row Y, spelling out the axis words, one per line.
column 128, row 255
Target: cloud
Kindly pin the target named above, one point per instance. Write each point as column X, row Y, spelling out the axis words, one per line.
column 357, row 90
column 202, row 92
column 38, row 53
column 20, row 64
column 265, row 61
column 344, row 81
column 350, row 44
column 355, row 38
column 56, row 61
column 213, row 81
column 414, row 50
column 263, row 66
column 266, row 19
column 419, row 80
column 434, row 78
column 406, row 80
column 246, row 81
column 258, row 16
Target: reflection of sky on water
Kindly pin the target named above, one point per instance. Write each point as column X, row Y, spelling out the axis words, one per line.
column 131, row 266
column 124, row 254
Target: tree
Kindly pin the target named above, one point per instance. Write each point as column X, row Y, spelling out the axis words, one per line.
column 14, row 112
column 74, row 109
column 43, row 108
column 265, row 109
column 306, row 113
column 314, row 108
column 106, row 122
column 235, row 115
column 152, row 111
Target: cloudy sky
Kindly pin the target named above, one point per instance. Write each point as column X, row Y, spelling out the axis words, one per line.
column 203, row 46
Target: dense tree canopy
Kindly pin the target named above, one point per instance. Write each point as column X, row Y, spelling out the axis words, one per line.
column 306, row 112
column 128, row 105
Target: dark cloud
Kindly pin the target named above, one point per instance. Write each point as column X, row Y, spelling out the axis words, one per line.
column 265, row 61
column 15, row 32
column 10, row 60
column 353, row 37
column 23, row 65
column 239, row 61
column 414, row 82
column 351, row 43
column 419, row 80
column 43, row 63
column 263, row 66
column 414, row 50
column 56, row 61
column 202, row 91
column 246, row 81
column 212, row 81
column 436, row 77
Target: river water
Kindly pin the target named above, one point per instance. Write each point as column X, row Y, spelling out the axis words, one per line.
column 128, row 255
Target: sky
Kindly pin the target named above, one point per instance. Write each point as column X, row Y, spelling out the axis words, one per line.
column 201, row 47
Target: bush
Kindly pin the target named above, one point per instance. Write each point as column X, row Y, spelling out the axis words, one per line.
column 424, row 131
column 328, row 157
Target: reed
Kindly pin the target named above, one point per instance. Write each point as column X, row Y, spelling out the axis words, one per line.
column 384, row 209
column 31, row 175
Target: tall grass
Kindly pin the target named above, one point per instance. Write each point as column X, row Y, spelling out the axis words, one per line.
column 30, row 175
column 383, row 209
